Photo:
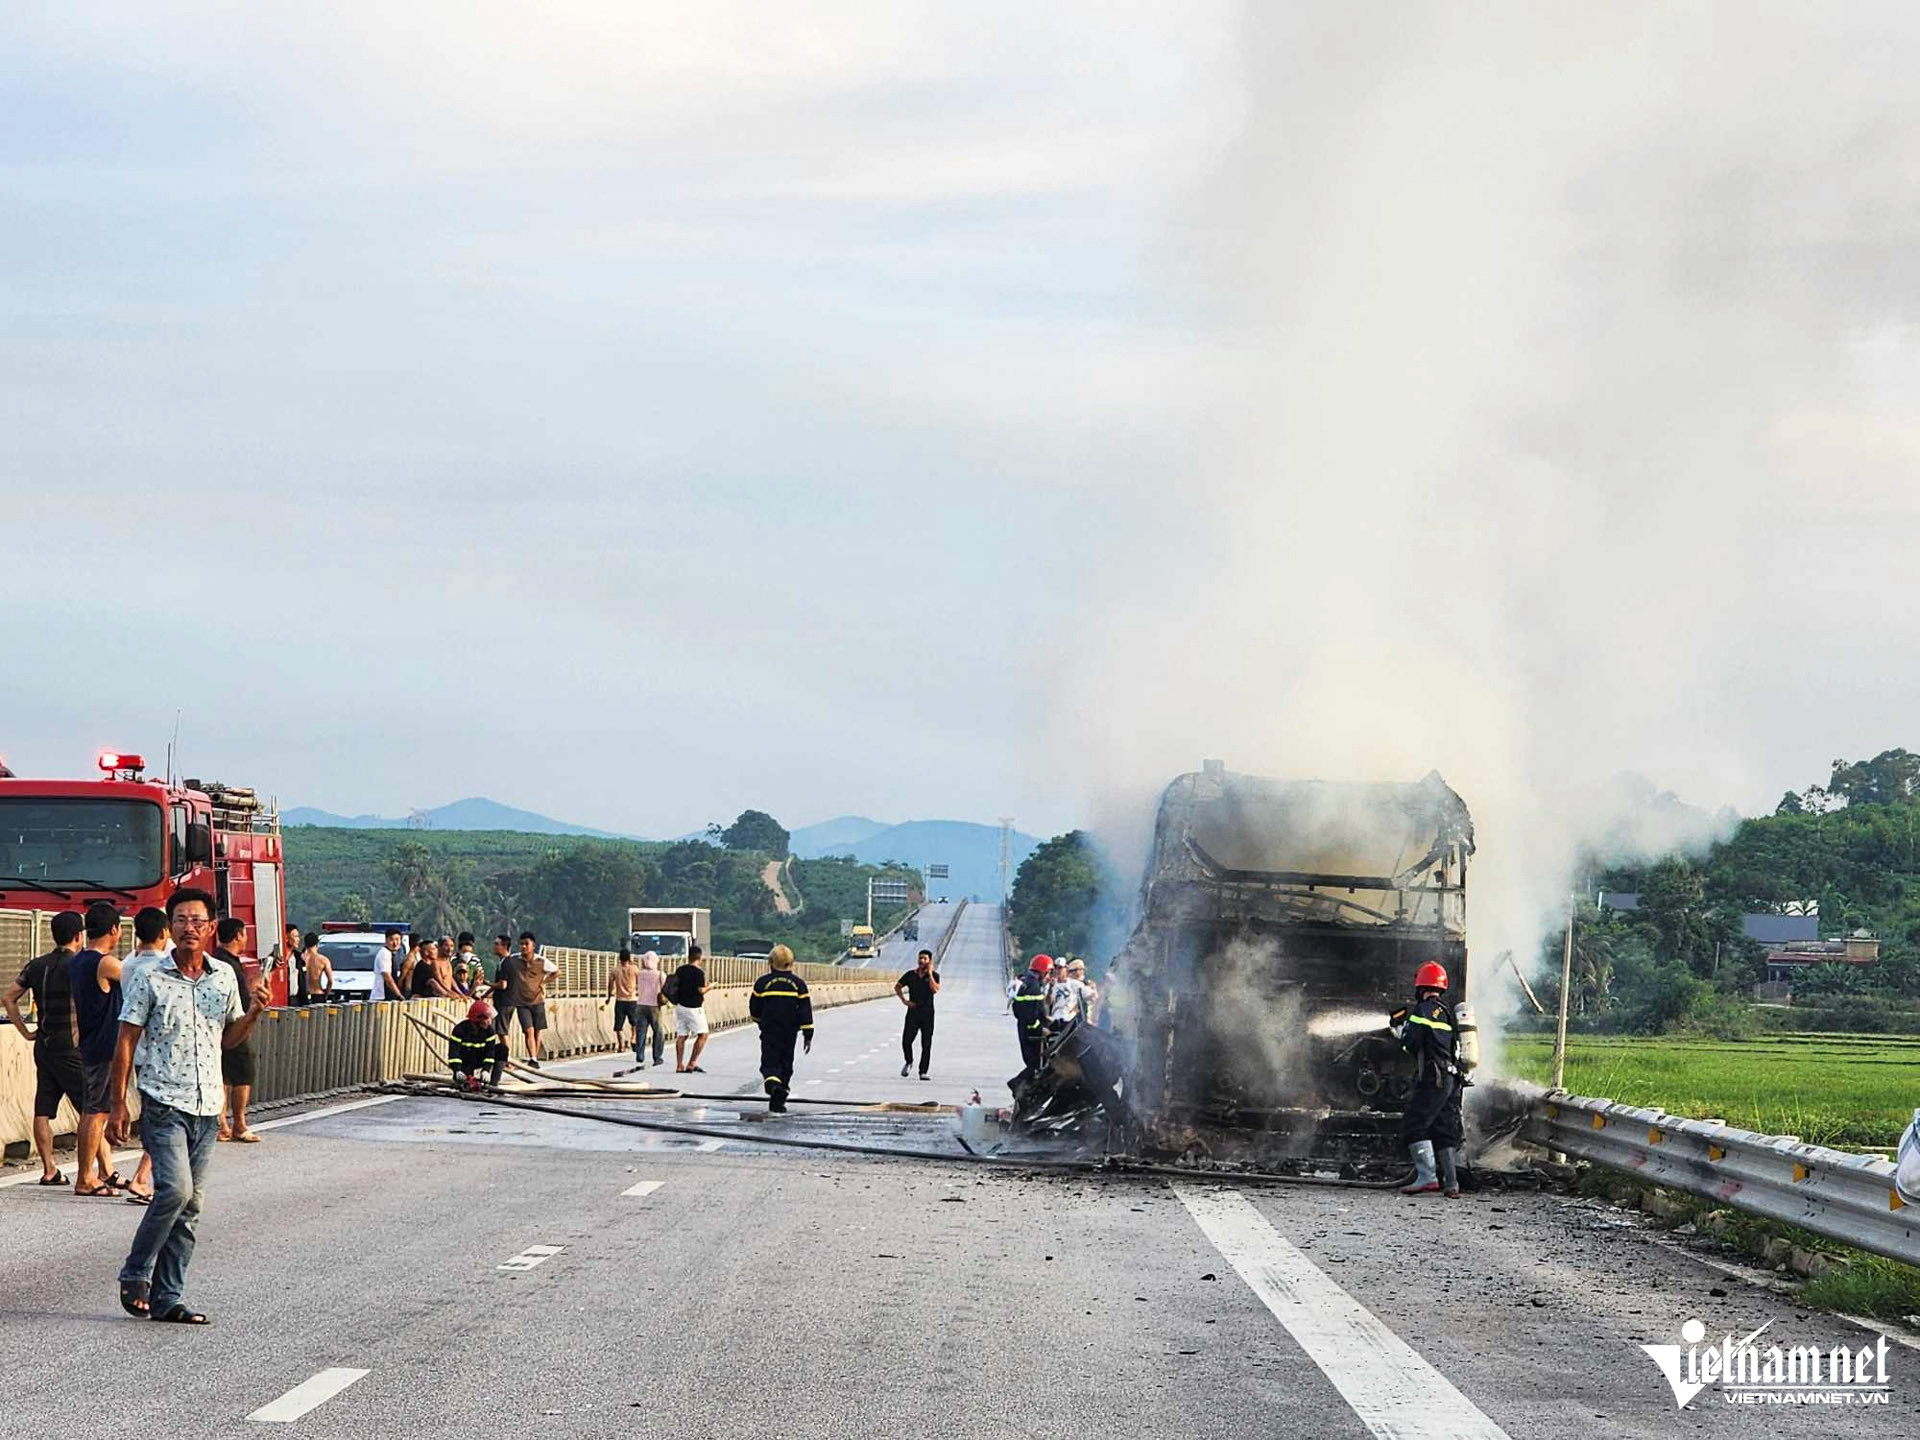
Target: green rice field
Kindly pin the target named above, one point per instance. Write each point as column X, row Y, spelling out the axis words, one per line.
column 1846, row 1090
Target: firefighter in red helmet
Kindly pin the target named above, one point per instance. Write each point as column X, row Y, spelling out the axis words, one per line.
column 1028, row 997
column 1430, row 1126
column 474, row 1047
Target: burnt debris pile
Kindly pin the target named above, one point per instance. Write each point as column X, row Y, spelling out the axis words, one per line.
column 1280, row 924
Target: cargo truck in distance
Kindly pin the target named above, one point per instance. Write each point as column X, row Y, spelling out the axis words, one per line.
column 669, row 933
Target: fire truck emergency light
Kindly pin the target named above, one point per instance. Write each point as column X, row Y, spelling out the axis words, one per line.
column 111, row 760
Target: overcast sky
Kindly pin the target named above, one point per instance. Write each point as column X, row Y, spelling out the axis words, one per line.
column 638, row 412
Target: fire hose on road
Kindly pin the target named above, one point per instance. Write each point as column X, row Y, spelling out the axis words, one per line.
column 1114, row 1167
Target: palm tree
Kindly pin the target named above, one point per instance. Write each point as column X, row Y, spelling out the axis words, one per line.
column 1592, row 969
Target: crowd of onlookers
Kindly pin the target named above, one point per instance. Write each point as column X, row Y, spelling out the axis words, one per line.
column 175, row 1017
column 513, row 986
column 76, row 990
column 411, row 969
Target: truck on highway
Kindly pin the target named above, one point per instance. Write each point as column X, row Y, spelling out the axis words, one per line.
column 669, row 933
column 132, row 841
column 861, row 943
column 1280, row 922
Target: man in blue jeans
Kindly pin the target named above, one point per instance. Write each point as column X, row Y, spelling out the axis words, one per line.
column 180, row 1014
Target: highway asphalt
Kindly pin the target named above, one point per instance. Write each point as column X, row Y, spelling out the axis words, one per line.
column 353, row 1263
column 857, row 1053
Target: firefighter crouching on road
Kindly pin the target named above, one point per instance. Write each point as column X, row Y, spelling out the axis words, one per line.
column 475, row 1047
column 1430, row 1126
column 1030, row 1009
column 784, row 1011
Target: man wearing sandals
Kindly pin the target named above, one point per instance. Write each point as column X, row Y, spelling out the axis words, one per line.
column 181, row 1013
column 96, row 1013
column 56, row 1054
column 236, row 1062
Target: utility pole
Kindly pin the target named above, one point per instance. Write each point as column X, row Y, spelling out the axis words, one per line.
column 1560, row 1025
column 1006, row 858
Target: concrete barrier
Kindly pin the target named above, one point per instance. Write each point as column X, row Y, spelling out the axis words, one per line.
column 17, row 1079
column 16, row 1089
column 318, row 1048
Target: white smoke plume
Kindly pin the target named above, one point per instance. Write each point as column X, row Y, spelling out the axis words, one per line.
column 1560, row 362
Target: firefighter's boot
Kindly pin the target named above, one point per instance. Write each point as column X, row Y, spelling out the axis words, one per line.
column 1449, row 1172
column 1424, row 1180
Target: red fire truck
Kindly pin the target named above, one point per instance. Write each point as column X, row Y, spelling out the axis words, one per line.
column 131, row 841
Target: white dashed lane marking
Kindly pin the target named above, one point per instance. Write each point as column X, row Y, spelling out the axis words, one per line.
column 306, row 1395
column 528, row 1258
column 645, row 1187
column 1390, row 1387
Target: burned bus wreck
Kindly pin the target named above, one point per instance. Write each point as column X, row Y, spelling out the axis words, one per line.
column 1280, row 923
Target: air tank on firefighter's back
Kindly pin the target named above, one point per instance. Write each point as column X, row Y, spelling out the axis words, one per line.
column 1466, row 1038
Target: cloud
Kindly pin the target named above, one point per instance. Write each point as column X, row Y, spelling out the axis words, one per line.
column 1561, row 440
column 485, row 390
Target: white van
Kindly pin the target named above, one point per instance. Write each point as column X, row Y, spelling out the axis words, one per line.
column 352, row 953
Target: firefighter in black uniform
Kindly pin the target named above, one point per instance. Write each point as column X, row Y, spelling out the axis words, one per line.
column 1431, row 1123
column 476, row 1046
column 784, row 1011
column 1030, row 1010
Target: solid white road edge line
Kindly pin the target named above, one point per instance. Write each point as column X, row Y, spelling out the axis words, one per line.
column 644, row 1187
column 325, row 1111
column 122, row 1157
column 1393, row 1391
column 306, row 1395
column 32, row 1177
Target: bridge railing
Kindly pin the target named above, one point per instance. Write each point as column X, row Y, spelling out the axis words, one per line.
column 1848, row 1198
column 584, row 972
column 946, row 936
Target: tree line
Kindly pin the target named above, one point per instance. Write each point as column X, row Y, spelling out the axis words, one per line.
column 1847, row 848
column 1063, row 903
column 570, row 890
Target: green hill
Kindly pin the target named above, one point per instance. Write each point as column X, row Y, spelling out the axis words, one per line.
column 569, row 890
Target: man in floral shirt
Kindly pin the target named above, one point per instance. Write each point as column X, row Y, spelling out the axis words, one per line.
column 181, row 1013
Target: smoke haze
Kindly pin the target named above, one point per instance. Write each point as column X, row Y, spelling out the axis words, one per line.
column 1561, row 421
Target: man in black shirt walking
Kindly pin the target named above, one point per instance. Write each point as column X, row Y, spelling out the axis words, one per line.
column 916, row 990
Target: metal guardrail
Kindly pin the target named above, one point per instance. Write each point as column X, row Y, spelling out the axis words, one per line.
column 946, row 936
column 1846, row 1198
column 27, row 933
